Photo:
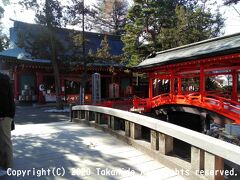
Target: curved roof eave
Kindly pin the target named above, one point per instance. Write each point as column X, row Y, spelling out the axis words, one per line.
column 203, row 49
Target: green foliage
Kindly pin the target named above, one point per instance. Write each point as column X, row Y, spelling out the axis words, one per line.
column 192, row 25
column 74, row 14
column 39, row 44
column 48, row 12
column 211, row 85
column 77, row 39
column 158, row 25
column 103, row 53
column 49, row 15
column 110, row 16
column 46, row 44
column 29, row 4
column 4, row 41
column 76, row 47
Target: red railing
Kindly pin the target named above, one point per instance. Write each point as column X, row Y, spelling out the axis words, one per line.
column 211, row 101
column 125, row 104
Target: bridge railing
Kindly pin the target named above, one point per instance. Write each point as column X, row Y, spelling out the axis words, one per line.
column 212, row 102
column 207, row 153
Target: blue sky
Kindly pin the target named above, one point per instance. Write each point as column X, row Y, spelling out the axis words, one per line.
column 232, row 23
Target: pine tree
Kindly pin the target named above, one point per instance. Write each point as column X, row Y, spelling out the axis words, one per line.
column 159, row 25
column 104, row 51
column 110, row 16
column 79, row 14
column 49, row 15
column 192, row 25
column 230, row 2
column 146, row 19
column 74, row 14
column 4, row 41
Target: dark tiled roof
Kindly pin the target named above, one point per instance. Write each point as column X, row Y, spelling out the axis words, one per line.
column 212, row 47
column 93, row 41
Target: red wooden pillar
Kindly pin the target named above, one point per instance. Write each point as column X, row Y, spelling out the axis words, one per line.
column 150, row 89
column 16, row 84
column 39, row 76
column 172, row 84
column 234, row 85
column 202, row 82
column 179, row 85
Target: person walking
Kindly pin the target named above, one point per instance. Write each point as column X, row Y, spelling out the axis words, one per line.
column 7, row 113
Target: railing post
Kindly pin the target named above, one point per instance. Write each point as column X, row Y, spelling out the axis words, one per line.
column 154, row 140
column 90, row 115
column 197, row 159
column 101, row 118
column 114, row 123
column 213, row 164
column 135, row 131
column 109, row 121
column 104, row 119
column 87, row 115
column 70, row 112
column 79, row 114
column 96, row 117
column 205, row 122
column 127, row 128
column 165, row 143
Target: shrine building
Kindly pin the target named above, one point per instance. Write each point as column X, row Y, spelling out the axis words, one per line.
column 33, row 78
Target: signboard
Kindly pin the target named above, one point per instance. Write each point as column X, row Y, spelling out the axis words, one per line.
column 96, row 88
column 81, row 95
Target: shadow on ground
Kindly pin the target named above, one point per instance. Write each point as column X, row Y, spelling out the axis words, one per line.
column 66, row 147
column 35, row 115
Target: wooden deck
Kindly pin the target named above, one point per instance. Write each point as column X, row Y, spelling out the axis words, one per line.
column 79, row 152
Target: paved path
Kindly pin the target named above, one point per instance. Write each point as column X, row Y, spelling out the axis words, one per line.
column 83, row 151
column 30, row 115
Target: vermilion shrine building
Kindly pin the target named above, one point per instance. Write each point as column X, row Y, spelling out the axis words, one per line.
column 202, row 78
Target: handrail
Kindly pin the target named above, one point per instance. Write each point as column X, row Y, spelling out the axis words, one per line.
column 224, row 106
column 194, row 94
column 212, row 145
column 138, row 98
column 223, row 99
column 161, row 96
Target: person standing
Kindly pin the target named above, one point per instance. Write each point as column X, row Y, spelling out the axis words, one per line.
column 7, row 113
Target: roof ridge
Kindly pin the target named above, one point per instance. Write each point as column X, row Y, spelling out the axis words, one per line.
column 199, row 42
column 67, row 29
